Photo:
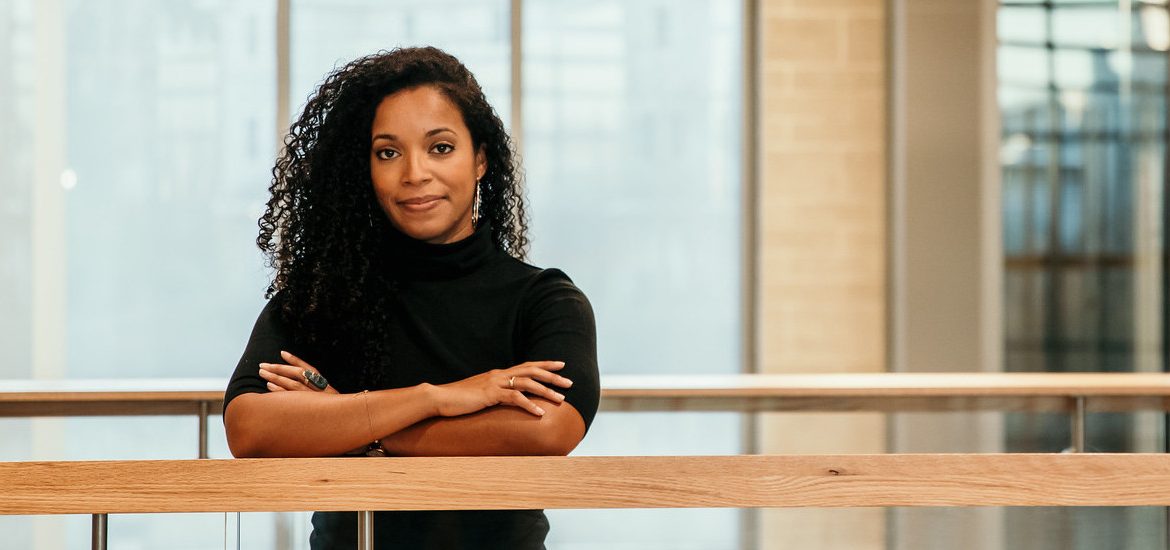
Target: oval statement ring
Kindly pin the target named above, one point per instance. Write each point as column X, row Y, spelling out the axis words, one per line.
column 315, row 379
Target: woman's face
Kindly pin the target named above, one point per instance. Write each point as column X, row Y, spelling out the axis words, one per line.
column 424, row 166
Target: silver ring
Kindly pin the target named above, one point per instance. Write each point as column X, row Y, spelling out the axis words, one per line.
column 512, row 383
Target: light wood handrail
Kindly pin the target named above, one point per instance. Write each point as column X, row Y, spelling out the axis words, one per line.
column 751, row 392
column 889, row 392
column 584, row 482
column 139, row 397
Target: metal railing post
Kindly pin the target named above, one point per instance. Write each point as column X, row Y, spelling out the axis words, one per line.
column 365, row 530
column 204, row 412
column 98, row 537
column 1078, row 425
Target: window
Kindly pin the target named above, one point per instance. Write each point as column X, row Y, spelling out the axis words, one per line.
column 137, row 151
column 129, row 197
column 1082, row 90
column 632, row 124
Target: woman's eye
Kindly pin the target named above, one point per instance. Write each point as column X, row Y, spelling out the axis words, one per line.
column 385, row 154
column 443, row 148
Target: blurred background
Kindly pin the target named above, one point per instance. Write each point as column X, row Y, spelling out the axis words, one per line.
column 766, row 186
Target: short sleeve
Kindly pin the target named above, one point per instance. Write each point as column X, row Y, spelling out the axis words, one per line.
column 557, row 324
column 269, row 336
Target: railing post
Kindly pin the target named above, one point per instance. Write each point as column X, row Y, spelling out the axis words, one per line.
column 1078, row 425
column 98, row 540
column 204, row 412
column 365, row 530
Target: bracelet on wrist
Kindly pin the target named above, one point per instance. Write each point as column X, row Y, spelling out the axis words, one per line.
column 376, row 449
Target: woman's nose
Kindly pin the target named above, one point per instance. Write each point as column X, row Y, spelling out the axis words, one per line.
column 415, row 171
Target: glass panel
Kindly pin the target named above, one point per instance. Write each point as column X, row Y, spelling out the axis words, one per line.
column 1120, row 528
column 632, row 120
column 1083, row 180
column 1022, row 66
column 663, row 529
column 1030, row 528
column 1095, row 26
column 167, row 135
column 605, row 158
column 632, row 149
column 1017, row 24
column 18, row 111
column 665, row 433
column 159, row 170
column 326, row 34
column 136, row 141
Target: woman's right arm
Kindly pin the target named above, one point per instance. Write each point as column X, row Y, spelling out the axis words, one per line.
column 307, row 424
column 260, row 422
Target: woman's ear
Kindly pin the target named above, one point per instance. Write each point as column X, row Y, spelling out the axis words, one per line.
column 480, row 163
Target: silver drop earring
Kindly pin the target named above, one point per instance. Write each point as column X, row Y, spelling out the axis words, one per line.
column 475, row 207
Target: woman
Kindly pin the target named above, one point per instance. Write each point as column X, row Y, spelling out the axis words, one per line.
column 401, row 319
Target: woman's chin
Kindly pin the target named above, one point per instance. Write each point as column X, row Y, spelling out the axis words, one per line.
column 434, row 233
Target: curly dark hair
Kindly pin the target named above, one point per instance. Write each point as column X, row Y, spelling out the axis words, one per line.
column 323, row 231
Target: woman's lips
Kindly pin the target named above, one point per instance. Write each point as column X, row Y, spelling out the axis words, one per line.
column 420, row 204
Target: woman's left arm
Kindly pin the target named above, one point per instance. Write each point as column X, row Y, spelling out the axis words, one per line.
column 556, row 323
column 495, row 431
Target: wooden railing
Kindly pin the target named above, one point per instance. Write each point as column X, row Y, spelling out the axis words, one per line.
column 1074, row 393
column 491, row 483
column 472, row 483
column 747, row 392
column 101, row 488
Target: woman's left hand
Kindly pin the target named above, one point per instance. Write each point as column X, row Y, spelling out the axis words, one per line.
column 290, row 377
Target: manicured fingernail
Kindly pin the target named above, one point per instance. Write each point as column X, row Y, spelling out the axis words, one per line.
column 561, row 363
column 540, row 411
column 568, row 382
column 271, row 386
column 283, row 353
column 559, row 396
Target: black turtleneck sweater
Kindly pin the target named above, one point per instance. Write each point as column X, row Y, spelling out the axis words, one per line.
column 457, row 310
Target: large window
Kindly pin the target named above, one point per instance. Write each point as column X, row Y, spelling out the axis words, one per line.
column 1082, row 90
column 632, row 124
column 138, row 140
column 327, row 33
column 137, row 146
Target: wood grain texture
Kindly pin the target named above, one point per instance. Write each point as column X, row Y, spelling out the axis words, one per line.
column 748, row 393
column 584, row 482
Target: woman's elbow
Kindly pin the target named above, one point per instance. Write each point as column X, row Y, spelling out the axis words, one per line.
column 242, row 439
column 558, row 444
column 561, row 432
column 243, row 447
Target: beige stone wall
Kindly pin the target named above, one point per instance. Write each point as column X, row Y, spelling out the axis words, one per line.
column 823, row 236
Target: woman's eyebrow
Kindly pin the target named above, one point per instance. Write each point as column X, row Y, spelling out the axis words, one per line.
column 393, row 137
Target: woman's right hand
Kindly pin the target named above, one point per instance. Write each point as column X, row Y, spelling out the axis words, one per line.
column 503, row 387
